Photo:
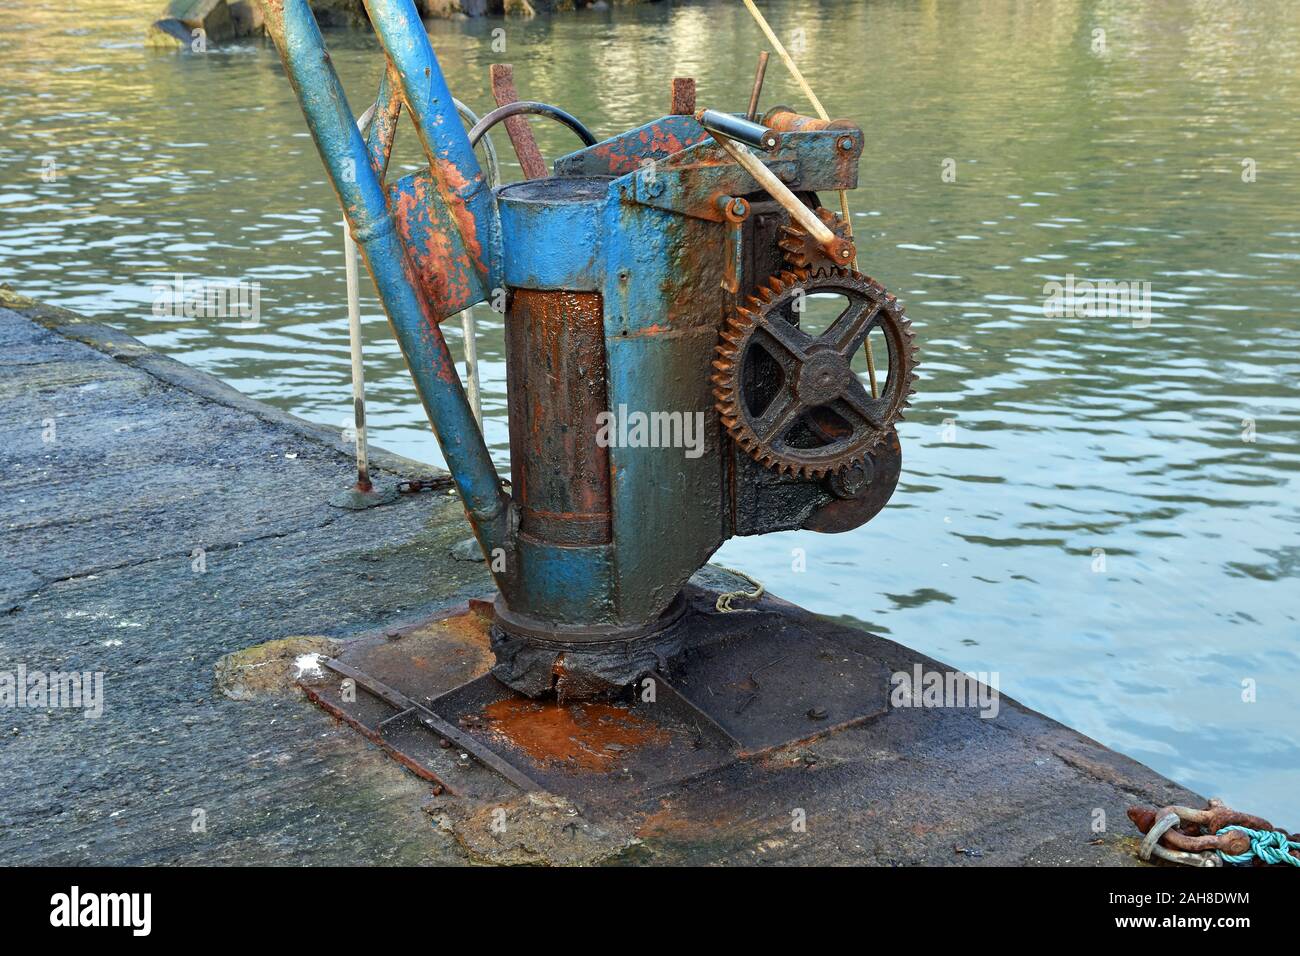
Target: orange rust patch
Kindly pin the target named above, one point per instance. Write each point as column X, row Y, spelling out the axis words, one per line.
column 449, row 650
column 424, row 219
column 471, row 631
column 588, row 736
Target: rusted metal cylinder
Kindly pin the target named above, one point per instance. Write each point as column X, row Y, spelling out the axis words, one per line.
column 555, row 343
column 785, row 120
column 556, row 374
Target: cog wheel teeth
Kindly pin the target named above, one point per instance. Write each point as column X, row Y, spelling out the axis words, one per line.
column 801, row 250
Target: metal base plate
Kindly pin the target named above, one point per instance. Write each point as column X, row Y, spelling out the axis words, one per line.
column 354, row 499
column 748, row 683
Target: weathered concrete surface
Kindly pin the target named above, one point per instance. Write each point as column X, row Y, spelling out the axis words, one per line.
column 148, row 461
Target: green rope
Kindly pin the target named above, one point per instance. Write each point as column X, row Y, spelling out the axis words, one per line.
column 1271, row 847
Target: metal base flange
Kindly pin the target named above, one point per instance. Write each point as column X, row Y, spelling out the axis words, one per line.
column 580, row 663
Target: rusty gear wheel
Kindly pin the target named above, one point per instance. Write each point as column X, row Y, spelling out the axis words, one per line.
column 791, row 399
column 802, row 251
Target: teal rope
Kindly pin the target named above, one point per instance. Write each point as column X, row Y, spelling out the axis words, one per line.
column 1271, row 847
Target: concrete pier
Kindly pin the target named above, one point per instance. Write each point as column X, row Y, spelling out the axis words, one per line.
column 155, row 521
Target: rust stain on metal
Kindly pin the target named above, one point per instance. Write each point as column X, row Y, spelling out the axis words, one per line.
column 448, row 650
column 670, row 824
column 454, row 186
column 383, row 126
column 622, row 156
column 446, row 279
column 556, row 393
column 788, row 121
column 1198, row 830
column 586, row 736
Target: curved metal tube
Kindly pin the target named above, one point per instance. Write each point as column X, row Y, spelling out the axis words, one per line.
column 529, row 106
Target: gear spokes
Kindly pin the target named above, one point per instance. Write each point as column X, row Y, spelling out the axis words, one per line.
column 791, row 399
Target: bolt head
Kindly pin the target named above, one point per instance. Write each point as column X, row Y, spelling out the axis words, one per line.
column 853, row 481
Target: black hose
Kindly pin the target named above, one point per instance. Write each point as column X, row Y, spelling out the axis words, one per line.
column 528, row 106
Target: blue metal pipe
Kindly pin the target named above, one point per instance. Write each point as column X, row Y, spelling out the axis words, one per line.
column 446, row 145
column 347, row 161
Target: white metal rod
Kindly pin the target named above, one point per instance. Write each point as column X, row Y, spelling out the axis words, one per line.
column 358, row 369
column 471, row 365
column 350, row 270
column 777, row 190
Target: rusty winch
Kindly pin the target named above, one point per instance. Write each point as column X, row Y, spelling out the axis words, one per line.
column 667, row 389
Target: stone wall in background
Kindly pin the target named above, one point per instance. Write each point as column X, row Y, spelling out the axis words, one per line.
column 196, row 24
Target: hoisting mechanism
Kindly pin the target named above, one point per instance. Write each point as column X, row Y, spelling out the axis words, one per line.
column 669, row 385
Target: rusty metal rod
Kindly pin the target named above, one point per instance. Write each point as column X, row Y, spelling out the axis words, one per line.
column 521, row 134
column 752, row 113
column 400, row 702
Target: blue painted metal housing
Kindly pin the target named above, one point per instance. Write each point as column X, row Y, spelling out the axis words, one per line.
column 617, row 272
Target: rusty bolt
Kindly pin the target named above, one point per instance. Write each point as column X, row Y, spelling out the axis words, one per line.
column 733, row 209
column 853, row 481
column 845, row 143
